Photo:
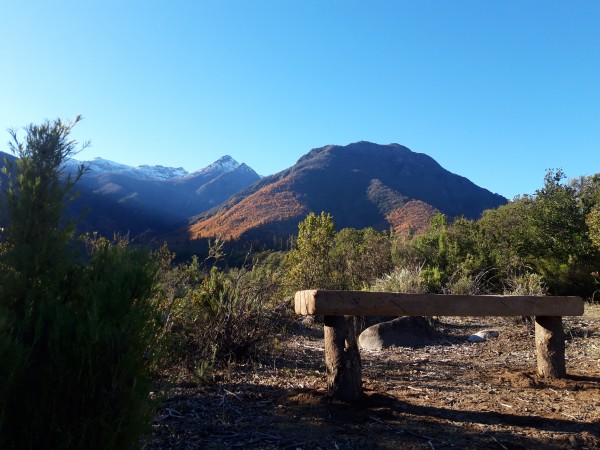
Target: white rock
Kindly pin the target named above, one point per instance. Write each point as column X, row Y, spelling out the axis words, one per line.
column 483, row 336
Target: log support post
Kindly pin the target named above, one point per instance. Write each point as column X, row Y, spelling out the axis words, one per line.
column 550, row 346
column 342, row 358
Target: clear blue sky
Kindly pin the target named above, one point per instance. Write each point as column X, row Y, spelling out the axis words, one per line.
column 497, row 91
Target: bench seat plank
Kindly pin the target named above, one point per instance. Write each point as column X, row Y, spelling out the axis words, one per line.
column 360, row 303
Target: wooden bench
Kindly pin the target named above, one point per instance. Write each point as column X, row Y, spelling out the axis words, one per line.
column 339, row 308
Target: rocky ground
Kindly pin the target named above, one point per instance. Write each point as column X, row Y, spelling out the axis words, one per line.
column 448, row 394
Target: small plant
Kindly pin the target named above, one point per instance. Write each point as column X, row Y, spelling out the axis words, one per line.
column 465, row 283
column 526, row 283
column 405, row 279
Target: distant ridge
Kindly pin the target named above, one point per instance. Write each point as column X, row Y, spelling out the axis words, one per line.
column 164, row 197
column 150, row 199
column 99, row 165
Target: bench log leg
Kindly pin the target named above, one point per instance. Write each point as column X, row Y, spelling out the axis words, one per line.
column 342, row 358
column 550, row 346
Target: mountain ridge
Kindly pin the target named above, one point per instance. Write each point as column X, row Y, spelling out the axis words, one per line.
column 99, row 165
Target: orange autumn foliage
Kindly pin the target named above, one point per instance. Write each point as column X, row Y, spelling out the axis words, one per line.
column 414, row 215
column 269, row 204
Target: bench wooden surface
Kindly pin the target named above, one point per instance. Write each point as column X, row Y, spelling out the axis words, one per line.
column 339, row 308
column 360, row 303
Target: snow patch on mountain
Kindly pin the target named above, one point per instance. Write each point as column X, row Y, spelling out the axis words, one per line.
column 162, row 172
column 98, row 166
column 105, row 165
column 158, row 172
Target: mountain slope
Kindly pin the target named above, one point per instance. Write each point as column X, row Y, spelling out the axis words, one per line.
column 361, row 184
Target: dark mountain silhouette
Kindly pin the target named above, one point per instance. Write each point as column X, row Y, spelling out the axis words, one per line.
column 361, row 184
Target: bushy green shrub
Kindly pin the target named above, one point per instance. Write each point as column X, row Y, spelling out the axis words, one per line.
column 359, row 257
column 75, row 327
column 86, row 377
column 310, row 265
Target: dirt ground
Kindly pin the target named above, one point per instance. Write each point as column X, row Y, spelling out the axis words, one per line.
column 452, row 394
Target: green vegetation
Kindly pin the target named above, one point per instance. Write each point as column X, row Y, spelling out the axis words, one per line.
column 84, row 319
column 310, row 263
column 548, row 242
column 213, row 316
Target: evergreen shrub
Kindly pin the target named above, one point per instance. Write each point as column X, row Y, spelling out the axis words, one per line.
column 76, row 326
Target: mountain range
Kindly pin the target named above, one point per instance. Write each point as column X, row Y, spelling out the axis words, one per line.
column 361, row 184
column 169, row 196
column 114, row 197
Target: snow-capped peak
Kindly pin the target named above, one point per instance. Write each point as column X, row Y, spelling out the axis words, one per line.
column 224, row 164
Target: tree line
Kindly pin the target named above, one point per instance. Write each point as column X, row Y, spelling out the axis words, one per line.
column 544, row 243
